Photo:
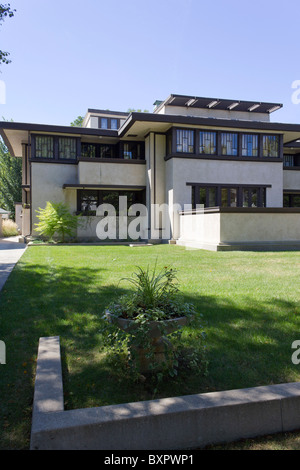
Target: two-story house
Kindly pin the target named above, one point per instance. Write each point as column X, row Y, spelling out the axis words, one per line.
column 223, row 155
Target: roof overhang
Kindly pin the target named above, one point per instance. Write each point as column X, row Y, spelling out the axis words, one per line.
column 219, row 103
column 14, row 134
column 138, row 125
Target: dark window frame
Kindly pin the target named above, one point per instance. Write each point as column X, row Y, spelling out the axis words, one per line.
column 186, row 130
column 261, row 194
column 215, row 144
column 56, row 158
column 278, row 145
column 109, row 120
column 171, row 145
column 139, row 197
column 225, row 133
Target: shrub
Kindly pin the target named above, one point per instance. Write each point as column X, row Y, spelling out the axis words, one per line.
column 56, row 219
column 9, row 228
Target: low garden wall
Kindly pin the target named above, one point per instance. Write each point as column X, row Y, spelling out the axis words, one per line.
column 185, row 422
column 240, row 228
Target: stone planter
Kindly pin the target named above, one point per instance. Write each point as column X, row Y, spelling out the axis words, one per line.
column 159, row 343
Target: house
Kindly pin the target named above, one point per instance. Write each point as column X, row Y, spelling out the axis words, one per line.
column 217, row 173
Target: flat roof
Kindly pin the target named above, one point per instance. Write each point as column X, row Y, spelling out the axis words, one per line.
column 107, row 111
column 219, row 104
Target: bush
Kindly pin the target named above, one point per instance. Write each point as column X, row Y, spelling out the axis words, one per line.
column 9, row 228
column 56, row 219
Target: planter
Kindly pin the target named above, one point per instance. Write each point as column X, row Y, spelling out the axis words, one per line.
column 160, row 345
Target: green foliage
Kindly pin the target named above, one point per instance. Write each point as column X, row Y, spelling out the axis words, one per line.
column 77, row 122
column 5, row 11
column 155, row 299
column 10, row 179
column 56, row 219
column 132, row 110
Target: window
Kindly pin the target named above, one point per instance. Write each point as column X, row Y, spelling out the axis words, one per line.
column 291, row 200
column 184, row 141
column 106, row 151
column 288, row 160
column 208, row 143
column 270, row 146
column 228, row 196
column 44, row 147
column 249, row 145
column 103, row 123
column 229, row 144
column 114, row 124
column 67, row 148
column 89, row 200
column 133, row 151
column 56, row 148
column 88, row 150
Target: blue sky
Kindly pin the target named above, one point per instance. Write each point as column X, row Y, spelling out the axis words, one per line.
column 72, row 55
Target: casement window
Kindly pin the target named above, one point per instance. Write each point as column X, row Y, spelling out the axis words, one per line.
column 228, row 195
column 291, row 200
column 88, row 150
column 288, row 160
column 67, row 148
column 114, row 124
column 103, row 123
column 133, row 151
column 109, row 123
column 44, row 147
column 270, row 146
column 89, row 200
column 229, row 143
column 249, row 145
column 185, row 141
column 98, row 150
column 54, row 147
column 207, row 143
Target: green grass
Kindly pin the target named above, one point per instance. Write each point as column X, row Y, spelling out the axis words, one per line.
column 250, row 302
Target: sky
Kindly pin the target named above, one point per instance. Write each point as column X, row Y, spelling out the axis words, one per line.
column 71, row 55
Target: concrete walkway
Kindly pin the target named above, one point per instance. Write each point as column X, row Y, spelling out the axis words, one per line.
column 10, row 253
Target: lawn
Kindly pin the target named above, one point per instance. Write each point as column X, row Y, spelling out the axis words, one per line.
column 250, row 303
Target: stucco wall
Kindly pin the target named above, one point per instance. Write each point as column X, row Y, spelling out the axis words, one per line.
column 47, row 185
column 210, row 229
column 129, row 174
column 262, row 227
column 291, row 179
column 180, row 171
column 216, row 113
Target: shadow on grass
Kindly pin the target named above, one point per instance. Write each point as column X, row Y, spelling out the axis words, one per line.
column 249, row 343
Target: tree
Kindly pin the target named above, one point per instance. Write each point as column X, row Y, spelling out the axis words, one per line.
column 5, row 11
column 56, row 218
column 10, row 179
column 77, row 122
column 132, row 110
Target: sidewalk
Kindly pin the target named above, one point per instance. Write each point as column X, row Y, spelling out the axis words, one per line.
column 10, row 253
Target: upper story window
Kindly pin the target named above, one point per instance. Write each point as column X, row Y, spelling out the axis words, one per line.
column 44, row 147
column 133, row 150
column 229, row 144
column 54, row 147
column 270, row 146
column 114, row 124
column 98, row 150
column 123, row 150
column 288, row 160
column 249, row 145
column 207, row 142
column 184, row 141
column 103, row 123
column 67, row 148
